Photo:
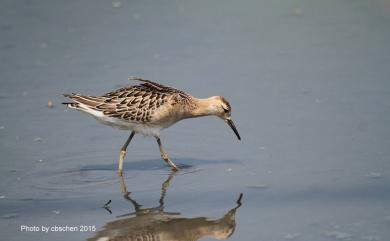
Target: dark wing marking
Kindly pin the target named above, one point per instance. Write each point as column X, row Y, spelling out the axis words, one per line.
column 136, row 103
column 133, row 103
column 159, row 87
column 178, row 96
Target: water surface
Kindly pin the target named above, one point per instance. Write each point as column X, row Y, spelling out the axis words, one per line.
column 308, row 82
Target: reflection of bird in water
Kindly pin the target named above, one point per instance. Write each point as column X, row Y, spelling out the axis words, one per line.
column 147, row 109
column 156, row 224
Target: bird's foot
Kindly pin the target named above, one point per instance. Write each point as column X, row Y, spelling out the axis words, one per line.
column 169, row 162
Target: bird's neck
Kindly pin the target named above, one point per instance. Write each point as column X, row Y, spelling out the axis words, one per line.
column 202, row 107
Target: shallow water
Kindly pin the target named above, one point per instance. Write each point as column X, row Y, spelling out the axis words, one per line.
column 308, row 82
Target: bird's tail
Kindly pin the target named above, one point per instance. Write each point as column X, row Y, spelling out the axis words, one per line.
column 83, row 102
column 71, row 105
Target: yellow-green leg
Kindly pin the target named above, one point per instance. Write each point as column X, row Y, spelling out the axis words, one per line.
column 165, row 156
column 122, row 153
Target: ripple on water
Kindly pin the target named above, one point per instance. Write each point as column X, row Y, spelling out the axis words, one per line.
column 86, row 173
column 66, row 176
column 183, row 170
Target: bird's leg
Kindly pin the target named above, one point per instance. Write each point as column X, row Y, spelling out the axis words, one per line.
column 122, row 153
column 164, row 189
column 126, row 194
column 165, row 156
column 122, row 185
column 135, row 204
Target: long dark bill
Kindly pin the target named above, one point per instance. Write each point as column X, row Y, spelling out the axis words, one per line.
column 231, row 124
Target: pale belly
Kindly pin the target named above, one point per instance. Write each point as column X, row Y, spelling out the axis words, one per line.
column 144, row 129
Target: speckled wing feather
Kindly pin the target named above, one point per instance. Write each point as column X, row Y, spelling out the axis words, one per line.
column 134, row 103
column 177, row 96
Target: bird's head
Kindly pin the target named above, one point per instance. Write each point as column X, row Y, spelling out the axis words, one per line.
column 222, row 109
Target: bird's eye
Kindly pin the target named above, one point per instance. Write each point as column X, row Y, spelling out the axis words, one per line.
column 225, row 110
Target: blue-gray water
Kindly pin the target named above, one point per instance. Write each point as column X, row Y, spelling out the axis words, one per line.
column 308, row 80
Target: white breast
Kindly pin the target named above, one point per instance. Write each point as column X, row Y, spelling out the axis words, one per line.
column 144, row 129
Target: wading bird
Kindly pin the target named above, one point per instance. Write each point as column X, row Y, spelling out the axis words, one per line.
column 147, row 109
